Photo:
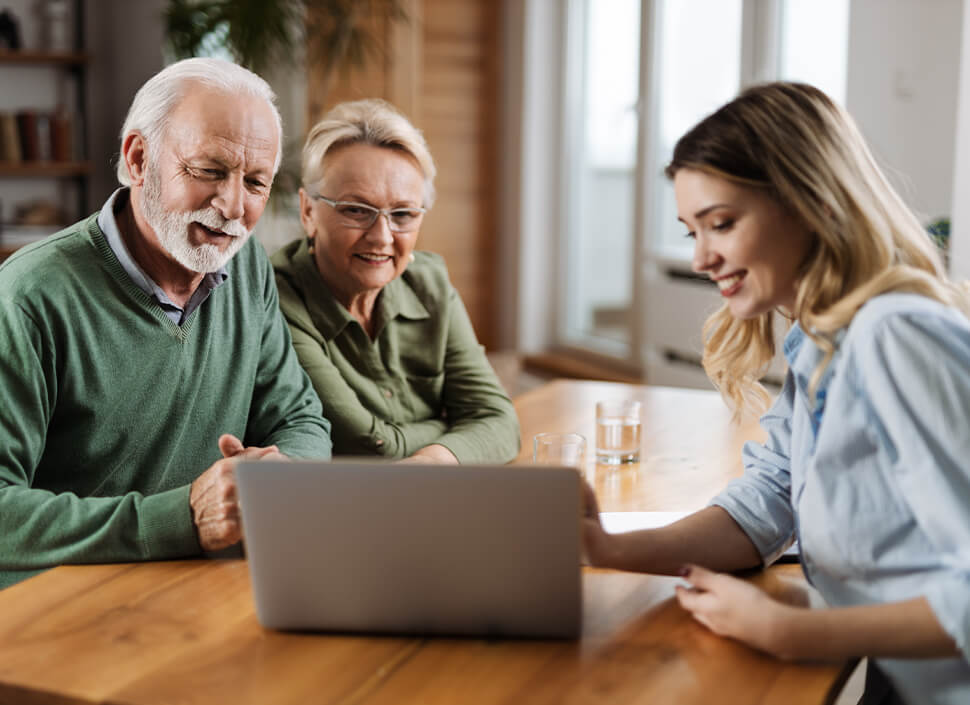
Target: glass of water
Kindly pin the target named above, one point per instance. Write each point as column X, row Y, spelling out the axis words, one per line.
column 618, row 431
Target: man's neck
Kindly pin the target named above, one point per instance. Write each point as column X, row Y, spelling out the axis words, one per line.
column 143, row 245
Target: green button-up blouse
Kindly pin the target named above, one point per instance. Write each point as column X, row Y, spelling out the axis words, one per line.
column 423, row 379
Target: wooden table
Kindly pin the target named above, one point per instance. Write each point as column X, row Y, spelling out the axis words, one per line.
column 185, row 632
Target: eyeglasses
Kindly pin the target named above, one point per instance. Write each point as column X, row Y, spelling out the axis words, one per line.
column 363, row 216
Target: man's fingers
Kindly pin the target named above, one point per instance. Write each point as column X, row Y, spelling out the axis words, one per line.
column 216, row 512
column 219, row 525
column 229, row 445
column 269, row 452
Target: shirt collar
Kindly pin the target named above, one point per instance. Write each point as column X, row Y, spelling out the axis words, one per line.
column 396, row 300
column 804, row 357
column 107, row 221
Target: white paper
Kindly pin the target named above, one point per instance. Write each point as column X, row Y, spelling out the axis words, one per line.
column 621, row 522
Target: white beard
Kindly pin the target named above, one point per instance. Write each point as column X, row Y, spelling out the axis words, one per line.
column 172, row 229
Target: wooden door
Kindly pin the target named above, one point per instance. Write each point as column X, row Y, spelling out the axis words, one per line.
column 440, row 67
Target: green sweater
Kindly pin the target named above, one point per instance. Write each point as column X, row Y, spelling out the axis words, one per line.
column 423, row 379
column 108, row 410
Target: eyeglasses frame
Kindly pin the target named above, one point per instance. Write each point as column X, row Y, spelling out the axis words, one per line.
column 386, row 212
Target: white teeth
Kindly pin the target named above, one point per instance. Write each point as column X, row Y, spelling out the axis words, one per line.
column 728, row 282
column 374, row 258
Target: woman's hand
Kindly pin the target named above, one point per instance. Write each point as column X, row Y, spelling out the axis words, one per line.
column 734, row 608
column 598, row 546
column 434, row 453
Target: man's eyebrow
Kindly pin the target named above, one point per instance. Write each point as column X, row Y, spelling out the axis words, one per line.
column 195, row 159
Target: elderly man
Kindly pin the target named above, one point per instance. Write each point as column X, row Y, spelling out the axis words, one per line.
column 136, row 359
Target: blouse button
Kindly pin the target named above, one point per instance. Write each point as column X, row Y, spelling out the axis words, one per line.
column 388, row 393
column 379, row 442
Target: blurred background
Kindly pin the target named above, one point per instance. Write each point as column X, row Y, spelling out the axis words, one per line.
column 550, row 122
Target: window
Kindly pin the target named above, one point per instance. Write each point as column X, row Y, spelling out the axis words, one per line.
column 637, row 75
column 598, row 282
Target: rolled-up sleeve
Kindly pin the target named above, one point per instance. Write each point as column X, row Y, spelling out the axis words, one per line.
column 760, row 501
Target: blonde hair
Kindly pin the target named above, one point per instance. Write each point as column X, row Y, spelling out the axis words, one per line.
column 372, row 121
column 794, row 142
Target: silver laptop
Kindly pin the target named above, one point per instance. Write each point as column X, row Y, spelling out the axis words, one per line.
column 372, row 546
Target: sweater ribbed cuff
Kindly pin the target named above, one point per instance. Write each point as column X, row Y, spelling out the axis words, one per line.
column 166, row 525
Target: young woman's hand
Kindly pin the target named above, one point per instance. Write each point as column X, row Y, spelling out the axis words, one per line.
column 734, row 608
column 598, row 545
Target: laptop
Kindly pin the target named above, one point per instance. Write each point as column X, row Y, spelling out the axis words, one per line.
column 371, row 546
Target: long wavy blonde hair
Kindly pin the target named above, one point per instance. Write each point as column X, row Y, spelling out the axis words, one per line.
column 793, row 141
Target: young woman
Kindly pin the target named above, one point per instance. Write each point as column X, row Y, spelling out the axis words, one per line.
column 867, row 461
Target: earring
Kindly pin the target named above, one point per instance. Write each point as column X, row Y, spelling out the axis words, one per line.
column 411, row 257
column 309, row 247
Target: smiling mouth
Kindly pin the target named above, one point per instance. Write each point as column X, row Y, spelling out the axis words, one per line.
column 213, row 233
column 373, row 259
column 728, row 285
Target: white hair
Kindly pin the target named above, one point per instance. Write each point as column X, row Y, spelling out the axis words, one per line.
column 158, row 97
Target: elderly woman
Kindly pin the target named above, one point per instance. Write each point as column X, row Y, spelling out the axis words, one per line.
column 378, row 327
column 866, row 461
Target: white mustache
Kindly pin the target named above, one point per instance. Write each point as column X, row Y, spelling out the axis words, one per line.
column 211, row 218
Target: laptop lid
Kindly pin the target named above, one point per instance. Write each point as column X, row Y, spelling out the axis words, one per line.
column 417, row 549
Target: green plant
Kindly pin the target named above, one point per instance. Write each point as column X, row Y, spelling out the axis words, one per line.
column 259, row 34
column 267, row 34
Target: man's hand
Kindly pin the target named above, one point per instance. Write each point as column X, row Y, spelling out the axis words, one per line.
column 213, row 496
column 732, row 607
column 232, row 447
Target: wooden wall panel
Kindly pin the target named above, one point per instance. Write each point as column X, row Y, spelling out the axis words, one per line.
column 441, row 70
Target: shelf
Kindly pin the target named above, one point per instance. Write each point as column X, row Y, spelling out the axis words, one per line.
column 30, row 56
column 22, row 170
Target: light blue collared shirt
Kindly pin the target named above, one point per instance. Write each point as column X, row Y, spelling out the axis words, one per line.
column 109, row 226
column 873, row 475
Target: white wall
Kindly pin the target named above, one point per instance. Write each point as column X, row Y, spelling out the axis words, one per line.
column 531, row 241
column 960, row 228
column 904, row 59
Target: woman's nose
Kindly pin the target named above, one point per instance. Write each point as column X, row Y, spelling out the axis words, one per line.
column 704, row 258
column 380, row 231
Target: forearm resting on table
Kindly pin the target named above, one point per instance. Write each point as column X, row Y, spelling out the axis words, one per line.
column 434, row 453
column 897, row 630
column 709, row 537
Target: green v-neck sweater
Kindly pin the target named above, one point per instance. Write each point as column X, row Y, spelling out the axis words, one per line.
column 109, row 410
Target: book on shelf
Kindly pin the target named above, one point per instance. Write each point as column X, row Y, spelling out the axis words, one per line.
column 9, row 139
column 29, row 136
column 36, row 136
column 62, row 149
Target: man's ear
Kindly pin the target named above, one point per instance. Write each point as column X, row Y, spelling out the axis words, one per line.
column 135, row 157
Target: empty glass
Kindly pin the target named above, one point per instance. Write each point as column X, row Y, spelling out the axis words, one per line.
column 562, row 449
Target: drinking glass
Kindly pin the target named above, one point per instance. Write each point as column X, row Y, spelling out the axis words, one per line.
column 618, row 431
column 563, row 449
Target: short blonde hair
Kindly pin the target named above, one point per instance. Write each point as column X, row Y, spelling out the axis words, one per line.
column 795, row 143
column 375, row 122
